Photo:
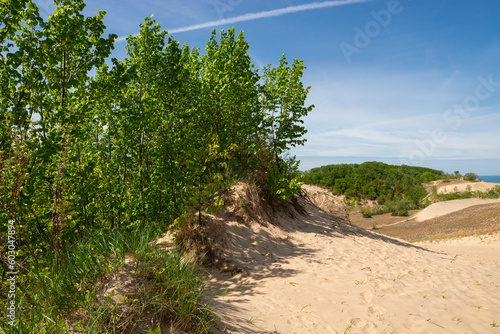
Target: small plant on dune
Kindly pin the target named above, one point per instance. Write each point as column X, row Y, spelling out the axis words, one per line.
column 495, row 190
column 244, row 205
column 216, row 206
column 305, row 306
column 348, row 205
column 374, row 226
column 400, row 276
column 494, row 324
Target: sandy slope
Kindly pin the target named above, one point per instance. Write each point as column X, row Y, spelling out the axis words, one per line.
column 443, row 208
column 462, row 187
column 316, row 274
column 484, row 249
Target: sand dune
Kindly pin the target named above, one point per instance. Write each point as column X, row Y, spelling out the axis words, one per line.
column 443, row 208
column 462, row 187
column 484, row 249
column 317, row 274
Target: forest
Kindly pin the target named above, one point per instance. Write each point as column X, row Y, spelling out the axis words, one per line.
column 399, row 188
column 98, row 156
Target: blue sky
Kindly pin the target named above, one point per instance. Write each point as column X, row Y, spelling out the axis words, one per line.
column 413, row 82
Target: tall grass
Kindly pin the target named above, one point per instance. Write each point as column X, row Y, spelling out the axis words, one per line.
column 52, row 296
column 173, row 288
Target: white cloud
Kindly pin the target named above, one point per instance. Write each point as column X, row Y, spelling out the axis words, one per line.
column 366, row 113
column 260, row 15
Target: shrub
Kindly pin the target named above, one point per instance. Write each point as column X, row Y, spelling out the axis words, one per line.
column 400, row 207
column 375, row 210
column 495, row 191
column 470, row 177
column 367, row 213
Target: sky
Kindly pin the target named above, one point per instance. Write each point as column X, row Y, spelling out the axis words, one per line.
column 402, row 82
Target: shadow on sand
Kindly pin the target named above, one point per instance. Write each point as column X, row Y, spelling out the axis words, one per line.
column 261, row 252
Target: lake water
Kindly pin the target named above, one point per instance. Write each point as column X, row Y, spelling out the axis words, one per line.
column 490, row 178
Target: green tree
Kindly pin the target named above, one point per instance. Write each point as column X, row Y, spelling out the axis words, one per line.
column 47, row 95
column 283, row 103
column 230, row 95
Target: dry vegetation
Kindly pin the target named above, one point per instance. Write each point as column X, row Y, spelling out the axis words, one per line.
column 474, row 220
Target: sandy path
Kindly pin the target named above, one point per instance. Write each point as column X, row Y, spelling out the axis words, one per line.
column 443, row 208
column 319, row 276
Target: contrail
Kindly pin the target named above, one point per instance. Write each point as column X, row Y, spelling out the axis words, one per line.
column 261, row 15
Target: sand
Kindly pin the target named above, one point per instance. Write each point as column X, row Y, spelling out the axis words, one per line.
column 443, row 208
column 462, row 187
column 316, row 274
column 484, row 249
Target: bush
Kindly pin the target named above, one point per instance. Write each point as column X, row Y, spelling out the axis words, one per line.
column 281, row 180
column 376, row 210
column 495, row 191
column 470, row 177
column 367, row 213
column 400, row 207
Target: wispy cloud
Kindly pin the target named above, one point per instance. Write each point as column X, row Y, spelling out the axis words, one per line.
column 261, row 15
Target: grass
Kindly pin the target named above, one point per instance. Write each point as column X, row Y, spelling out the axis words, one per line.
column 252, row 320
column 47, row 295
column 53, row 301
column 172, row 286
column 303, row 307
column 400, row 276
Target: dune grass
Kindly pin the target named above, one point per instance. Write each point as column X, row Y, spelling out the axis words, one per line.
column 57, row 300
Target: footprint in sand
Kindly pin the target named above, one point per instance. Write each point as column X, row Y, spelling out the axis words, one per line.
column 367, row 296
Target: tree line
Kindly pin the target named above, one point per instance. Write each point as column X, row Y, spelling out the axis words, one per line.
column 398, row 187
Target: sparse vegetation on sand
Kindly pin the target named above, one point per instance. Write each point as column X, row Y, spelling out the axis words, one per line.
column 473, row 220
